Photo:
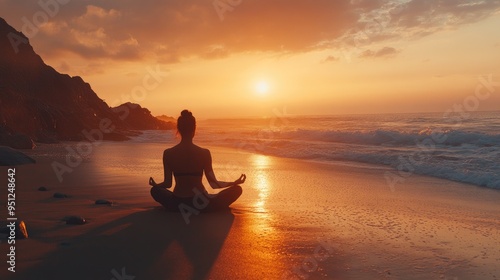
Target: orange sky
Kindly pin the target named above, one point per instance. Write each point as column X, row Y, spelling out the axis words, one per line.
column 230, row 58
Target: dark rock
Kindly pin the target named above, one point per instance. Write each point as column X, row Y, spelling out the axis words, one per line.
column 37, row 103
column 140, row 118
column 60, row 195
column 16, row 141
column 166, row 118
column 103, row 202
column 74, row 220
column 20, row 141
column 43, row 189
column 46, row 137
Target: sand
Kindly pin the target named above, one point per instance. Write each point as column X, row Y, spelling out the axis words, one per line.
column 295, row 220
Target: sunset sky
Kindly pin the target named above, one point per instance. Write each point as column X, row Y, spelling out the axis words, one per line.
column 230, row 58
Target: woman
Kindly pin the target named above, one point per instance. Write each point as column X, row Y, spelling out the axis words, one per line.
column 187, row 162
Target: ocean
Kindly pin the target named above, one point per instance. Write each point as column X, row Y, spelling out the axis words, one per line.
column 458, row 146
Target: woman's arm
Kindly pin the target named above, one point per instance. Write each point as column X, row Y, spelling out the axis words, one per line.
column 167, row 173
column 212, row 180
column 214, row 183
column 164, row 185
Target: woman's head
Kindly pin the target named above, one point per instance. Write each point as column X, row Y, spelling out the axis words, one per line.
column 186, row 124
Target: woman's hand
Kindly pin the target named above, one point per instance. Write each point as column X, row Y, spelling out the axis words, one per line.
column 241, row 180
column 152, row 182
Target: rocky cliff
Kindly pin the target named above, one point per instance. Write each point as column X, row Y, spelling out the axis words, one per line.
column 140, row 118
column 38, row 103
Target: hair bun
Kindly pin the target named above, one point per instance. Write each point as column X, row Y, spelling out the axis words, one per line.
column 186, row 113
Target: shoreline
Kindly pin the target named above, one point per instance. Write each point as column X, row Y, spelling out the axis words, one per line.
column 396, row 175
column 295, row 218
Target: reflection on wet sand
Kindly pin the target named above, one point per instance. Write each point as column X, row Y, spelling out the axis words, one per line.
column 260, row 179
column 256, row 229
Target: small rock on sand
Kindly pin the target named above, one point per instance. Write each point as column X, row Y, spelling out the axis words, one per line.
column 60, row 195
column 74, row 220
column 42, row 189
column 103, row 202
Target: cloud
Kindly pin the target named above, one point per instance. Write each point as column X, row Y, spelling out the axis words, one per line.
column 426, row 16
column 64, row 67
column 384, row 52
column 174, row 29
column 407, row 20
column 330, row 58
column 171, row 30
column 91, row 35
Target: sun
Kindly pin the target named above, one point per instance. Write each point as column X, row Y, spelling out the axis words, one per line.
column 262, row 88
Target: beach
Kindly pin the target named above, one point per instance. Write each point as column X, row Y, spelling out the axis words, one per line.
column 364, row 135
column 296, row 219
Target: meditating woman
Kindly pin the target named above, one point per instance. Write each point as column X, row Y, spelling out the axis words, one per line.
column 187, row 162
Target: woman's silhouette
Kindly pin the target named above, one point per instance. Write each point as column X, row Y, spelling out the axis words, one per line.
column 187, row 162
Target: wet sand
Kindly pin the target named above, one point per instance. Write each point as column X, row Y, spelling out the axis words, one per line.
column 295, row 220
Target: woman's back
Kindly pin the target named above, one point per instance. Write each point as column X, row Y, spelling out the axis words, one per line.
column 187, row 162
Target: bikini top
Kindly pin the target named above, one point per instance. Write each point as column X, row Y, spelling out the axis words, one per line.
column 188, row 174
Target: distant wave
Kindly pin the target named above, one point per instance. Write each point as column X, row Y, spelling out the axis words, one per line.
column 458, row 155
column 155, row 136
column 461, row 156
column 387, row 137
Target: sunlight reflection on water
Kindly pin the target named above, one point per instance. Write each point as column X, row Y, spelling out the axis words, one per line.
column 261, row 181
